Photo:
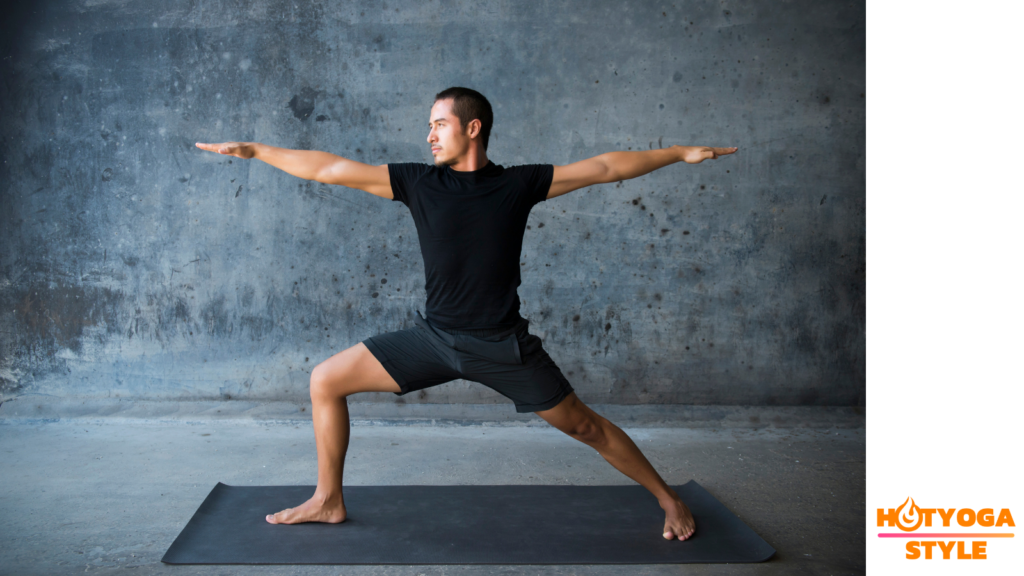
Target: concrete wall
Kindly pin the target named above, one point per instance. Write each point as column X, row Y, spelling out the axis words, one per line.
column 137, row 266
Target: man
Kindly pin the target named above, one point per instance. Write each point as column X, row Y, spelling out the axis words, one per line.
column 470, row 215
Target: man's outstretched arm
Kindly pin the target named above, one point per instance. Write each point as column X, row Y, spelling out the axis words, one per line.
column 312, row 165
column 615, row 166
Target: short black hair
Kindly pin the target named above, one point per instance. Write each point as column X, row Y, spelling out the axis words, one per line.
column 469, row 105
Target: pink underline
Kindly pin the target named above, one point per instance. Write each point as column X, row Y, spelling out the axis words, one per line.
column 949, row 535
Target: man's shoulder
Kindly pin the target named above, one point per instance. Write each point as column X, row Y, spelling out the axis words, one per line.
column 410, row 171
column 531, row 173
column 528, row 167
column 412, row 166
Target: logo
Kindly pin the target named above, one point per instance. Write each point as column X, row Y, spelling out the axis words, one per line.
column 948, row 545
column 910, row 519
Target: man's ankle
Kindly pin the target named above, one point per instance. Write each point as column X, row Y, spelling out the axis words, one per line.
column 326, row 496
column 669, row 498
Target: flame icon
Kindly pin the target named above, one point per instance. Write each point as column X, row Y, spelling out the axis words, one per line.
column 910, row 519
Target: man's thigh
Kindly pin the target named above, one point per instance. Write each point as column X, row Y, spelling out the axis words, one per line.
column 351, row 371
column 413, row 359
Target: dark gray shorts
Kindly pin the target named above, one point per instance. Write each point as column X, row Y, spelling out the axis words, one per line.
column 511, row 362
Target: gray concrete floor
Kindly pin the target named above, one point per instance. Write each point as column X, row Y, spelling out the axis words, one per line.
column 110, row 495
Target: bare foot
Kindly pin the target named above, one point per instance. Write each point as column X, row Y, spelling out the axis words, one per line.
column 678, row 520
column 317, row 509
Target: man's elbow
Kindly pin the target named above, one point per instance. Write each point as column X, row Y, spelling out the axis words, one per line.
column 333, row 173
column 608, row 173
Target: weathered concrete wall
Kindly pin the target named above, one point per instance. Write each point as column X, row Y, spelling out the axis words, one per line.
column 135, row 265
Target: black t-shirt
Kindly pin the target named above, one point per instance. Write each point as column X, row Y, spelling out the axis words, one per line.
column 471, row 226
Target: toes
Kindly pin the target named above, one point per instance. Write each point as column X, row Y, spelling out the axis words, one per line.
column 683, row 534
column 273, row 518
column 678, row 533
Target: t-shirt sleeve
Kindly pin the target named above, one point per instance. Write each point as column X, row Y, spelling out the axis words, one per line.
column 403, row 177
column 538, row 179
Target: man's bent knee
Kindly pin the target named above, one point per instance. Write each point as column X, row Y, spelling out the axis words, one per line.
column 325, row 383
column 350, row 371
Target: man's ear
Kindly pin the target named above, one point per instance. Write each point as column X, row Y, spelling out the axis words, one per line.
column 473, row 128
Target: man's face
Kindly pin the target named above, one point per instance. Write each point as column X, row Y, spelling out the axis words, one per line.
column 447, row 139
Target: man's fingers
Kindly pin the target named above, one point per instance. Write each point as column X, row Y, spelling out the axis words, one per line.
column 712, row 153
column 210, row 147
column 223, row 148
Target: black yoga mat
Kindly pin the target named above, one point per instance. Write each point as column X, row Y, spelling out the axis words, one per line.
column 511, row 524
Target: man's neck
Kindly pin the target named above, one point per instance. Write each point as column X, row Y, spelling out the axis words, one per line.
column 474, row 160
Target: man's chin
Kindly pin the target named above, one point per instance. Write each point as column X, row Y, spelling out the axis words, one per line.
column 440, row 163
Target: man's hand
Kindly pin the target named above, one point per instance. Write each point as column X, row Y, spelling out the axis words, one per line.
column 243, row 150
column 698, row 154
